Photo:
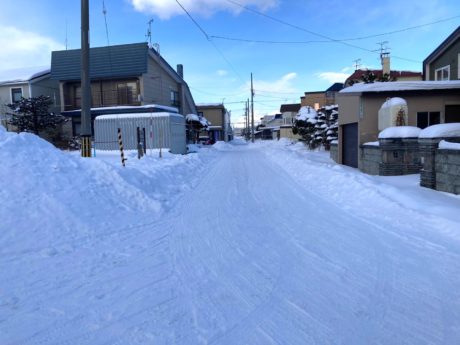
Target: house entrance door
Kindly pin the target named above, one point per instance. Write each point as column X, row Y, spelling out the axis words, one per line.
column 350, row 145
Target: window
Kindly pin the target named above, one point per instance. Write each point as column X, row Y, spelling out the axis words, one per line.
column 16, row 94
column 458, row 65
column 425, row 119
column 442, row 73
column 175, row 98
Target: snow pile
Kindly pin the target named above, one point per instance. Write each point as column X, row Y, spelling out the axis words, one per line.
column 444, row 130
column 449, row 146
column 400, row 132
column 306, row 113
column 65, row 196
column 392, row 102
column 372, row 143
column 397, row 197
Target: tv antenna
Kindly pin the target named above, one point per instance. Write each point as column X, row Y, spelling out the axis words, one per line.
column 357, row 64
column 149, row 32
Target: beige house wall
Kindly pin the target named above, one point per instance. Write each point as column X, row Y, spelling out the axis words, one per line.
column 5, row 92
column 286, row 132
column 314, row 100
column 156, row 85
column 214, row 116
column 363, row 110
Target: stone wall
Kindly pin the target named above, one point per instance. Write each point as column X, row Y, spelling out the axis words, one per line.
column 371, row 157
column 400, row 156
column 334, row 152
column 447, row 164
column 428, row 148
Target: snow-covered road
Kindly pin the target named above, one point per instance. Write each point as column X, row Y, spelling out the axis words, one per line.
column 263, row 261
column 249, row 254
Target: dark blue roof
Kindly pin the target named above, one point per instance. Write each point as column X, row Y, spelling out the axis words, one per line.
column 124, row 60
column 335, row 87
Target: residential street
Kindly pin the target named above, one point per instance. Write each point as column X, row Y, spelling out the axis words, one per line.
column 248, row 255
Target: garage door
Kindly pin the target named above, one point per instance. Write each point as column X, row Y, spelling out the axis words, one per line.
column 350, row 145
column 452, row 113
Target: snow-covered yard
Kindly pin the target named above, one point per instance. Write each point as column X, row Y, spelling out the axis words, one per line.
column 236, row 244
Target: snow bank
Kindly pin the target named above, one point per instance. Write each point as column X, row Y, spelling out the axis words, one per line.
column 449, row 146
column 444, row 130
column 400, row 132
column 61, row 195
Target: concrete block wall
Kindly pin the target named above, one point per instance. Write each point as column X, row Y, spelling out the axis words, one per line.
column 371, row 157
column 400, row 156
column 447, row 165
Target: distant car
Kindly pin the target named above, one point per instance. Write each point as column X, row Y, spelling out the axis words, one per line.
column 206, row 141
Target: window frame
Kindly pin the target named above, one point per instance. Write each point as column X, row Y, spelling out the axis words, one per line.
column 441, row 69
column 428, row 115
column 16, row 88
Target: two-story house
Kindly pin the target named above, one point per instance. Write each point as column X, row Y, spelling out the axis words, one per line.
column 121, row 75
column 26, row 83
column 444, row 62
column 220, row 128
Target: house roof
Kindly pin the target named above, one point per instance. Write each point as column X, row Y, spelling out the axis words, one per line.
column 105, row 62
column 360, row 88
column 294, row 108
column 453, row 37
column 379, row 73
column 23, row 75
column 335, row 87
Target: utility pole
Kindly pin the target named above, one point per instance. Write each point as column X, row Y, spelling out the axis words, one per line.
column 247, row 120
column 252, row 111
column 85, row 82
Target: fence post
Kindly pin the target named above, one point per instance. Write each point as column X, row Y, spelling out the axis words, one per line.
column 120, row 143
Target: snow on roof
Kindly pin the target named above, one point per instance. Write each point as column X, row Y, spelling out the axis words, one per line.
column 134, row 116
column 147, row 106
column 400, row 132
column 402, row 86
column 22, row 74
column 442, row 130
column 394, row 101
column 306, row 112
column 449, row 146
column 201, row 119
column 209, row 105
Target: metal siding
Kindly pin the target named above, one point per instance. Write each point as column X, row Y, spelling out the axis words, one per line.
column 105, row 62
column 171, row 126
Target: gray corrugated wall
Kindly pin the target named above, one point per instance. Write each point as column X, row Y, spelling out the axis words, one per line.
column 105, row 62
column 167, row 131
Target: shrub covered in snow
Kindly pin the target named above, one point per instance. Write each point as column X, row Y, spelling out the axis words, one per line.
column 317, row 128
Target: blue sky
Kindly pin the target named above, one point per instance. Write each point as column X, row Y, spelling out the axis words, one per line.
column 219, row 69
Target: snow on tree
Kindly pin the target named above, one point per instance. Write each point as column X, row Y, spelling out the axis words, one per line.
column 305, row 124
column 317, row 128
column 32, row 115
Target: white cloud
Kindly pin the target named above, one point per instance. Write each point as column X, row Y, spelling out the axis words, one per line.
column 166, row 9
column 333, row 77
column 282, row 85
column 25, row 49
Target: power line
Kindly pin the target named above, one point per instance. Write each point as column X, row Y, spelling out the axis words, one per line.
column 208, row 38
column 310, row 31
column 335, row 40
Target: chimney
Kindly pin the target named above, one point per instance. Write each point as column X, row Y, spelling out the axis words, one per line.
column 180, row 70
column 386, row 63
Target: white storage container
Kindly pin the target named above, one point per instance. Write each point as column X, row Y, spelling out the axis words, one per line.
column 389, row 110
column 162, row 130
